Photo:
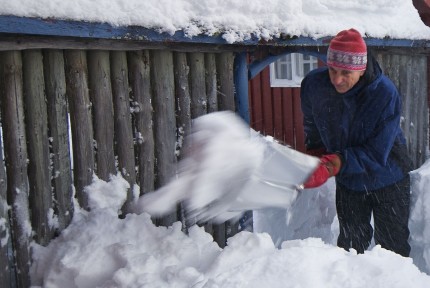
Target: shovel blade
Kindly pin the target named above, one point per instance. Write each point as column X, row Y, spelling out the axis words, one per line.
column 230, row 169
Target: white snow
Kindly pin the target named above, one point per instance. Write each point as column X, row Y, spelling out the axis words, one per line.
column 99, row 249
column 292, row 247
column 237, row 20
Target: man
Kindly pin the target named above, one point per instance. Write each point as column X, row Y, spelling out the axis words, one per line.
column 352, row 122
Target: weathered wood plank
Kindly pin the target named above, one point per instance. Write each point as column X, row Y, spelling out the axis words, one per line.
column 16, row 156
column 226, row 100
column 23, row 42
column 140, row 83
column 99, row 81
column 211, row 82
column 122, row 119
column 421, row 85
column 183, row 100
column 38, row 146
column 6, row 275
column 418, row 92
column 199, row 99
column 409, row 114
column 183, row 118
column 164, row 121
column 409, row 74
column 58, row 123
column 81, row 122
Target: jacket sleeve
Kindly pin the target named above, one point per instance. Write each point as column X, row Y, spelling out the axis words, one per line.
column 312, row 136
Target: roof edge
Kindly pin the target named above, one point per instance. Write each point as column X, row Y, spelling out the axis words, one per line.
column 65, row 28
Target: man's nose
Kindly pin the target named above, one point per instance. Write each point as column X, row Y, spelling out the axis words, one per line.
column 337, row 79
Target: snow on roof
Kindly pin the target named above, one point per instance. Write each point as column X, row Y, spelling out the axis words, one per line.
column 238, row 20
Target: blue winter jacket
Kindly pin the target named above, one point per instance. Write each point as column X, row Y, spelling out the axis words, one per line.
column 362, row 125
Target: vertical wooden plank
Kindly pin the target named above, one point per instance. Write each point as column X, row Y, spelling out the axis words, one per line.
column 38, row 146
column 419, row 84
column 140, row 83
column 267, row 103
column 277, row 114
column 408, row 76
column 211, row 82
column 16, row 161
column 5, row 231
column 199, row 99
column 405, row 88
column 123, row 130
column 256, row 107
column 299, row 131
column 412, row 109
column 226, row 101
column 183, row 99
column 99, row 81
column 58, row 123
column 422, row 90
column 225, row 74
column 288, row 116
column 81, row 121
column 164, row 121
column 183, row 118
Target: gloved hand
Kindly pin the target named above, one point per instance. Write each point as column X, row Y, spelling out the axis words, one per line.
column 329, row 166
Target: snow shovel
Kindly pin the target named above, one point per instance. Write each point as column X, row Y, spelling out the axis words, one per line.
column 230, row 169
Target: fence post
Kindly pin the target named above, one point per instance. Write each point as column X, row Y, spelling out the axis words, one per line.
column 140, row 82
column 101, row 96
column 15, row 150
column 58, row 122
column 164, row 121
column 122, row 119
column 38, row 146
column 5, row 232
column 211, row 82
column 199, row 100
column 81, row 121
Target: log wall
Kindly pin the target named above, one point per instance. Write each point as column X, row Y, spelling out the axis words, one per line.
column 67, row 115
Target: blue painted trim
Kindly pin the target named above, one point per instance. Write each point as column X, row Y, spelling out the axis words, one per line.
column 257, row 66
column 53, row 27
column 50, row 27
column 241, row 84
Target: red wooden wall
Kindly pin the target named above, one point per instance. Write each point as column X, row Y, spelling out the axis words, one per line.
column 276, row 111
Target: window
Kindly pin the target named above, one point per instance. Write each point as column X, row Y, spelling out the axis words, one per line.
column 289, row 70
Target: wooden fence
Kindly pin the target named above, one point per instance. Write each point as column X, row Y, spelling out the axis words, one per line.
column 409, row 72
column 126, row 111
column 67, row 114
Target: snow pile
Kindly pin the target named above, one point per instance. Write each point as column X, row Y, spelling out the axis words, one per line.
column 99, row 249
column 419, row 220
column 238, row 20
column 292, row 247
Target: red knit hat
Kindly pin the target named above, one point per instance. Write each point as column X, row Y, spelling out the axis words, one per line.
column 347, row 51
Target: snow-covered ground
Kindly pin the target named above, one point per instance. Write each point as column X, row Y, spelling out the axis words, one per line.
column 100, row 250
column 291, row 247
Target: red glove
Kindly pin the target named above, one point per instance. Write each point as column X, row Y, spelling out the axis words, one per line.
column 329, row 166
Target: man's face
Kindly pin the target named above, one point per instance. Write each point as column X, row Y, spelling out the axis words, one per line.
column 344, row 80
